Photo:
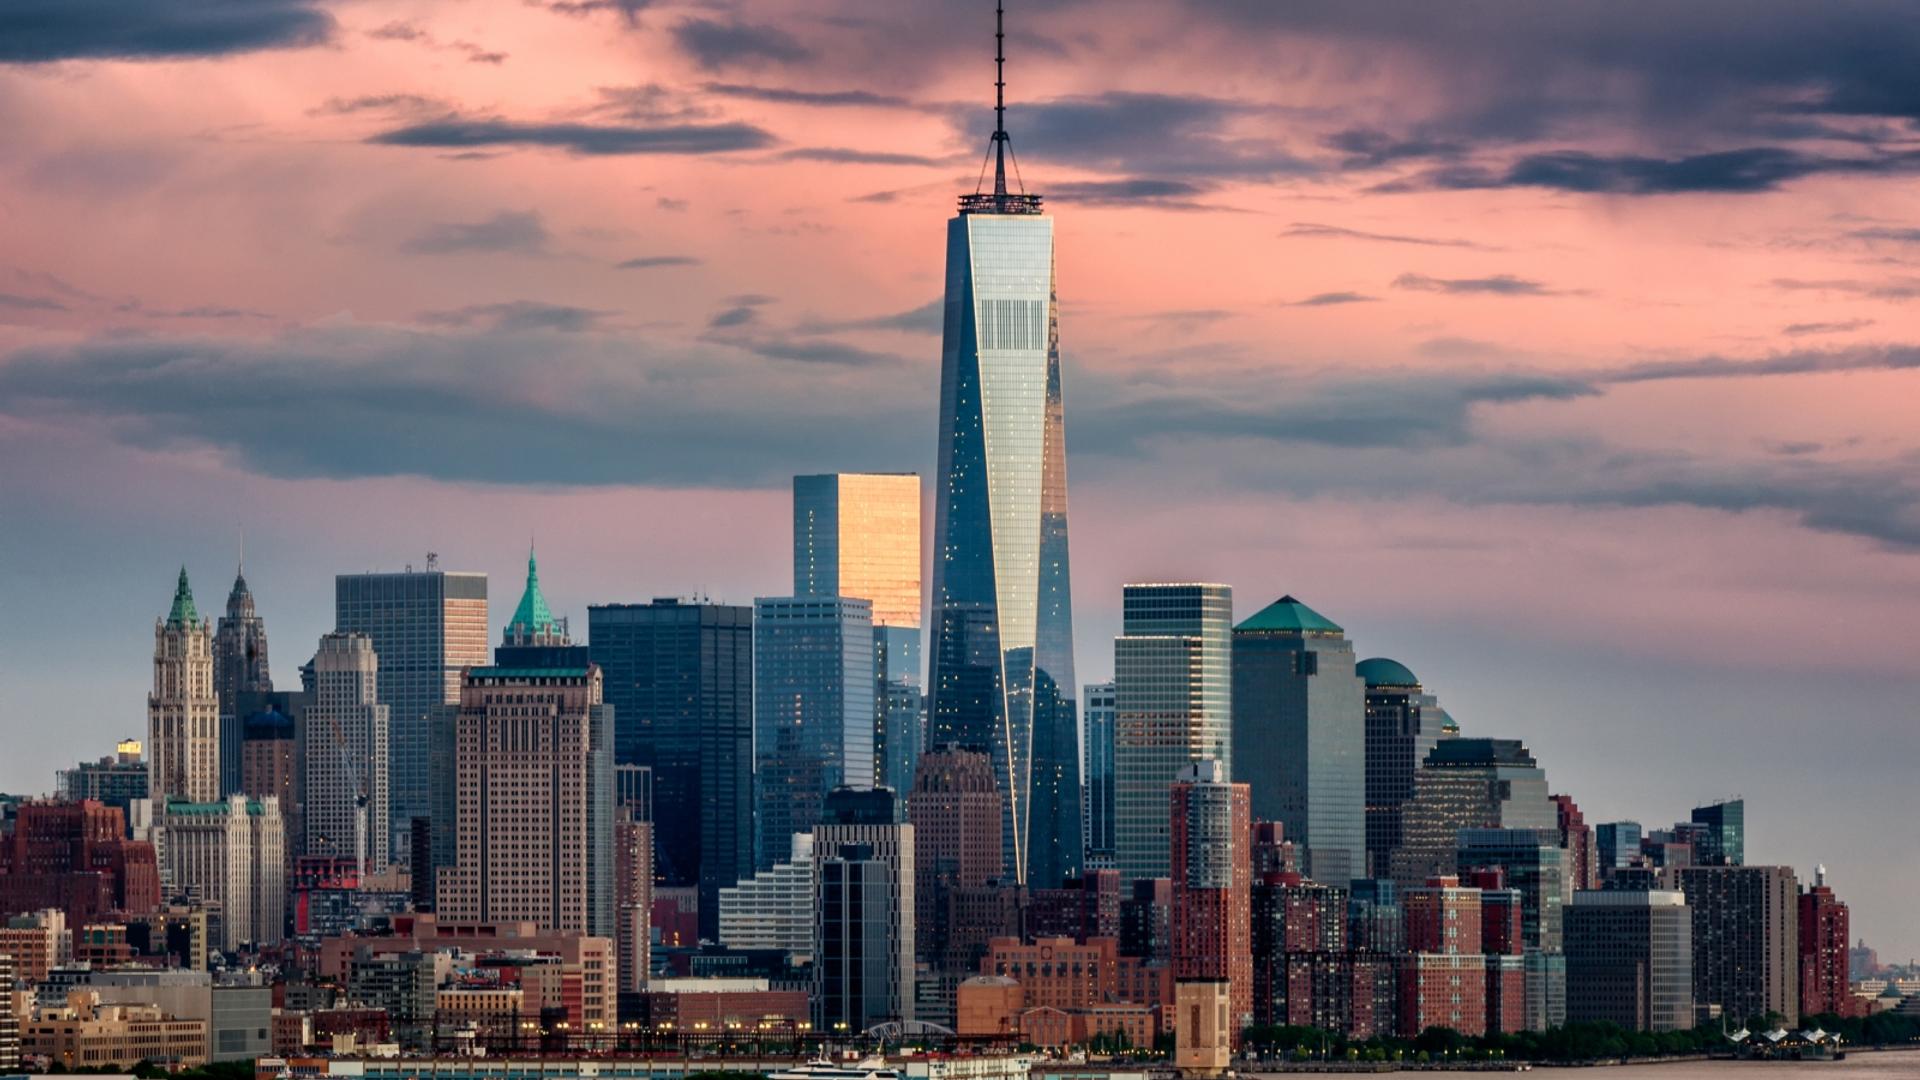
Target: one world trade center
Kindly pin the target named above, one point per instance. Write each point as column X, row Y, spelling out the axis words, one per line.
column 1001, row 674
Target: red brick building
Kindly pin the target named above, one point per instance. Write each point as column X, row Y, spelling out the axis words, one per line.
column 75, row 856
column 1823, row 952
column 1212, row 885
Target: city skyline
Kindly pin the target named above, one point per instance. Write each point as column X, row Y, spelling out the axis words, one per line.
column 1511, row 442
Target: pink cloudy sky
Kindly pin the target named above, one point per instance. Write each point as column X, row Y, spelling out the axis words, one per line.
column 1567, row 352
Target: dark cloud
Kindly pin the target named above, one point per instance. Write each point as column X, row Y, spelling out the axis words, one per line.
column 854, row 157
column 925, row 319
column 1330, row 299
column 1804, row 328
column 18, row 302
column 1887, row 289
column 1745, row 171
column 1367, row 148
column 1165, row 135
column 401, row 103
column 651, row 262
column 520, row 316
column 1801, row 362
column 509, row 232
column 1894, row 235
column 714, row 44
column 828, row 98
column 1162, row 194
column 37, row 31
column 1497, row 285
column 589, row 139
column 740, row 311
column 827, row 353
column 397, row 30
column 1315, row 231
column 628, row 9
column 464, row 405
column 205, row 312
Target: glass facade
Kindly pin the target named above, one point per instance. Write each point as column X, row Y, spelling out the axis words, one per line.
column 813, row 712
column 1173, row 706
column 679, row 676
column 427, row 626
column 858, row 534
column 1724, row 838
column 1096, row 769
column 1002, row 619
column 1403, row 724
column 1299, row 735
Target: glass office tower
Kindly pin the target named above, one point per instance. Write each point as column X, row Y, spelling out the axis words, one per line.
column 1173, row 706
column 1001, row 674
column 813, row 711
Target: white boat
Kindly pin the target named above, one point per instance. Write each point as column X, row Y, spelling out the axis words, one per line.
column 822, row 1069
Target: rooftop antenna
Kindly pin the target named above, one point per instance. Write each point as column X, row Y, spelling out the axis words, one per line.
column 999, row 98
column 1001, row 146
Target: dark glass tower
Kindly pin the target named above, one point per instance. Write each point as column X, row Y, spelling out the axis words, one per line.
column 1002, row 614
column 679, row 676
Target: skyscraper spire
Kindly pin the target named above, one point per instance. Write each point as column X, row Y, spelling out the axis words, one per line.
column 999, row 98
column 1000, row 147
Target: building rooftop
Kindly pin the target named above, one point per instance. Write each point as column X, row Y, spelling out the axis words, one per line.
column 183, row 612
column 1450, row 753
column 529, row 673
column 1287, row 615
column 532, row 617
column 1380, row 671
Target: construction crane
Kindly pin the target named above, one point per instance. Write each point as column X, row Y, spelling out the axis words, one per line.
column 358, row 775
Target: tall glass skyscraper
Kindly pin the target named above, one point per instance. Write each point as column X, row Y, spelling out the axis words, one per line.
column 1001, row 673
column 427, row 627
column 813, row 711
column 858, row 534
column 1173, row 706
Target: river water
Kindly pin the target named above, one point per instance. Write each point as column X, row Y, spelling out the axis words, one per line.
column 1862, row 1065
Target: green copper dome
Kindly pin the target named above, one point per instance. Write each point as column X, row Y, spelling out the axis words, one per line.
column 183, row 613
column 1380, row 671
column 1289, row 615
column 532, row 616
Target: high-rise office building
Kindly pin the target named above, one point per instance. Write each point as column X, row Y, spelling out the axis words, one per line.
column 1173, row 706
column 1403, row 724
column 535, row 802
column 870, row 819
column 1746, row 939
column 427, row 627
column 1300, row 734
column 955, row 811
column 349, row 742
column 1722, row 839
column 1468, row 784
column 227, row 853
column 270, row 766
column 239, row 666
column 1824, row 986
column 1001, row 623
column 1531, row 862
column 813, row 711
column 858, row 534
column 855, row 985
column 1616, row 845
column 116, row 781
column 1630, row 959
column 183, row 713
column 1096, row 771
column 632, row 898
column 679, row 676
column 1212, row 883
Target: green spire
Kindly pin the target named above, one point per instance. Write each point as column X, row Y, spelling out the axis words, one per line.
column 183, row 613
column 532, row 616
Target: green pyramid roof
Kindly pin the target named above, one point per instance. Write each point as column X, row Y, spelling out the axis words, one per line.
column 1289, row 615
column 532, row 616
column 183, row 613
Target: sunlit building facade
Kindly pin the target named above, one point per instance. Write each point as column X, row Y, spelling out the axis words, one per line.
column 1001, row 671
column 183, row 712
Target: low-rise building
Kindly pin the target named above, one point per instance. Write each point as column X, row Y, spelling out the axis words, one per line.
column 86, row 1035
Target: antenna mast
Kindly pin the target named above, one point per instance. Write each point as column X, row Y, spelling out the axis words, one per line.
column 999, row 98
